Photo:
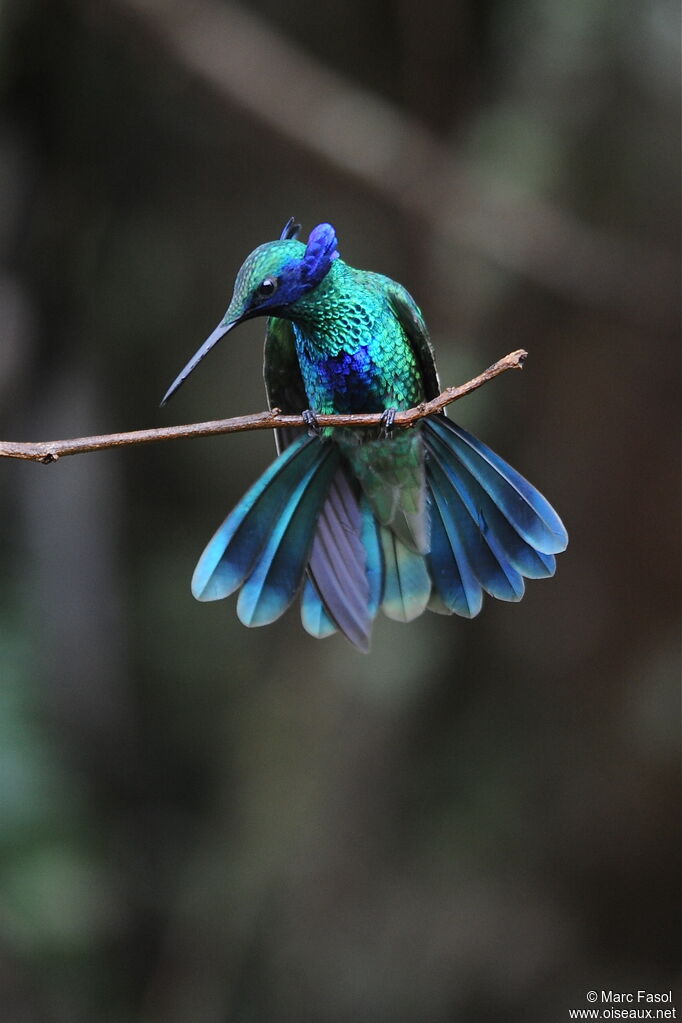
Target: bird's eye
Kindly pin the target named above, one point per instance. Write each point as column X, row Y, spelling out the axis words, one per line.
column 267, row 287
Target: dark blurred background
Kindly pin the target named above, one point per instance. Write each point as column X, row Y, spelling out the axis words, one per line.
column 480, row 820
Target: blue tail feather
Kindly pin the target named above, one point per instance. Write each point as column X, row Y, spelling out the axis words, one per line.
column 338, row 562
column 314, row 618
column 374, row 556
column 485, row 554
column 523, row 506
column 351, row 612
column 276, row 577
column 519, row 553
column 452, row 575
column 233, row 550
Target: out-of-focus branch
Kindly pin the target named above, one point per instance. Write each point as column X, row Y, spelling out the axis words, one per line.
column 49, row 451
column 250, row 66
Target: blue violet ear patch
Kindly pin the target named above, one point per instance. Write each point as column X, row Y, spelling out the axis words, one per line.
column 301, row 275
column 320, row 253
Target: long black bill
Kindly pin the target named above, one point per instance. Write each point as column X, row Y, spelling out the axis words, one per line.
column 208, row 344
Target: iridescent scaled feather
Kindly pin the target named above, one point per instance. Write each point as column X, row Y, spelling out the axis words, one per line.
column 358, row 520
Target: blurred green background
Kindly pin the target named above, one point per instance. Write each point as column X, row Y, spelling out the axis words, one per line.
column 480, row 820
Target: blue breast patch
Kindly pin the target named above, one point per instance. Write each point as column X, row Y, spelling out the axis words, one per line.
column 343, row 383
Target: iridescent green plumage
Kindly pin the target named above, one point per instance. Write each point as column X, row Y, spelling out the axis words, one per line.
column 360, row 344
column 424, row 517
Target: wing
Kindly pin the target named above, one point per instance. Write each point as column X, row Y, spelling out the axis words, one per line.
column 282, row 375
column 412, row 322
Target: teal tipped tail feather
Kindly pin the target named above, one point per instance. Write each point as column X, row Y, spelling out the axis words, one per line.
column 424, row 518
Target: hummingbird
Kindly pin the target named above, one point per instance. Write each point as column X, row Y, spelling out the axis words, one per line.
column 359, row 519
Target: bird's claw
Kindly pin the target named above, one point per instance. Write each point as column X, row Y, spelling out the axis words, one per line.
column 387, row 422
column 310, row 419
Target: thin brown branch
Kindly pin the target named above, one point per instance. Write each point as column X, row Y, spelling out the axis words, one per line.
column 49, row 451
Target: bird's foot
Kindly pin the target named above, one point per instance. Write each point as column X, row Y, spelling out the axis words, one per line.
column 310, row 419
column 387, row 422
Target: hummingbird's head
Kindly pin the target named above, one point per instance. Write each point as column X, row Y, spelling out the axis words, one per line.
column 277, row 274
column 271, row 279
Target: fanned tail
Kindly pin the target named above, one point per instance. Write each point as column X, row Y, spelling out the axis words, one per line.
column 310, row 520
